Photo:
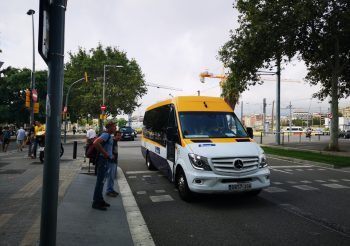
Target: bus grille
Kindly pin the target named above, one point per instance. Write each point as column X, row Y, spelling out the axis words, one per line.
column 232, row 165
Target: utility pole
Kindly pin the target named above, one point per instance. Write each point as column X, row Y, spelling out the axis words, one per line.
column 51, row 48
column 32, row 85
column 278, row 102
column 241, row 111
column 290, row 118
column 264, row 115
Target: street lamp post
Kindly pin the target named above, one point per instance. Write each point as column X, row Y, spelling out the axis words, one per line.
column 32, row 85
column 66, row 107
column 104, row 91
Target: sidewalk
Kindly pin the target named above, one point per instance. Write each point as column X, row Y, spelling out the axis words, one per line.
column 79, row 224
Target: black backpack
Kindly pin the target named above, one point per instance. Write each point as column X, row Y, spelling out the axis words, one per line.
column 92, row 152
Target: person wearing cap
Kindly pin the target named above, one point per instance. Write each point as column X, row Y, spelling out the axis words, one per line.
column 104, row 145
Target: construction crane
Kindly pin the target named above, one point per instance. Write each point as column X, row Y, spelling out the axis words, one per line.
column 163, row 87
column 206, row 74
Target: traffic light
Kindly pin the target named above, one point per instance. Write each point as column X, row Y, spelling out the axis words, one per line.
column 86, row 77
column 27, row 98
column 36, row 108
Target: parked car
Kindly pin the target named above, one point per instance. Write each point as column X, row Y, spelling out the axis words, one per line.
column 346, row 134
column 127, row 133
column 319, row 131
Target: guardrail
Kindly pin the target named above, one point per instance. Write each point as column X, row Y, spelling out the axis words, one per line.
column 289, row 137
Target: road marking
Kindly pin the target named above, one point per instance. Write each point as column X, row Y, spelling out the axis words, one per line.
column 141, row 192
column 300, row 170
column 277, row 183
column 288, row 170
column 291, row 182
column 137, row 225
column 140, row 172
column 306, row 182
column 336, row 186
column 347, row 180
column 305, row 187
column 333, row 180
column 29, row 189
column 320, row 169
column 162, row 198
column 131, row 177
column 160, row 191
column 280, row 171
column 146, row 176
column 320, row 181
column 4, row 218
column 272, row 189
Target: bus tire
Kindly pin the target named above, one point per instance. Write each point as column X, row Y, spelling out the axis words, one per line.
column 182, row 186
column 149, row 164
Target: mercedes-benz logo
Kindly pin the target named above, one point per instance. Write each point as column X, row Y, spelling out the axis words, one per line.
column 238, row 164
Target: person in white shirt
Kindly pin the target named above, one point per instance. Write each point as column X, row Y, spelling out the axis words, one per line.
column 21, row 135
column 90, row 134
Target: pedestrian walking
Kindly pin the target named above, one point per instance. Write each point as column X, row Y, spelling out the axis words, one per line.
column 1, row 137
column 74, row 130
column 21, row 135
column 30, row 139
column 112, row 171
column 6, row 138
column 104, row 145
column 38, row 129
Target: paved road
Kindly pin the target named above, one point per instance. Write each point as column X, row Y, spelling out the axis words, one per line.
column 305, row 205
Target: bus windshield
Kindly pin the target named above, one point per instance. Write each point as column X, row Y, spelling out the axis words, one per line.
column 211, row 125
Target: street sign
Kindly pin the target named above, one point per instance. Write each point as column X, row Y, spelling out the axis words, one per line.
column 35, row 95
column 44, row 29
column 330, row 115
column 103, row 107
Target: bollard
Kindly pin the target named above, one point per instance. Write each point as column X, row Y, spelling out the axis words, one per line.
column 261, row 137
column 75, row 144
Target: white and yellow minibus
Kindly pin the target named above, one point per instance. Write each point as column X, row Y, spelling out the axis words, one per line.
column 200, row 145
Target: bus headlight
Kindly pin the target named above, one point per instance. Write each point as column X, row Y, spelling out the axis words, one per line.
column 199, row 162
column 262, row 161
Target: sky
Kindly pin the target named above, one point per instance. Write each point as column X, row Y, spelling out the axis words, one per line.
column 173, row 41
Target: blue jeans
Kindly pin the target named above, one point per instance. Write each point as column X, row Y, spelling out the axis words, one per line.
column 112, row 173
column 102, row 169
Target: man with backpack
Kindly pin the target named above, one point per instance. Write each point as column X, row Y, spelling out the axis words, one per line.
column 103, row 144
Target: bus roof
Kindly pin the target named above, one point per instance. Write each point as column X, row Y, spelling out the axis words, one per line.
column 195, row 103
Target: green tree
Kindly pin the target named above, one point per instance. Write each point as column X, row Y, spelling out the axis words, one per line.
column 121, row 122
column 124, row 86
column 13, row 84
column 271, row 32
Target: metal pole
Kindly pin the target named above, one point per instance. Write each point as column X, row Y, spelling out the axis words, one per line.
column 53, row 124
column 32, row 84
column 66, row 105
column 278, row 102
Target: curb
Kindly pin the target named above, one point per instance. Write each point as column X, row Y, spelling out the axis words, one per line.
column 301, row 161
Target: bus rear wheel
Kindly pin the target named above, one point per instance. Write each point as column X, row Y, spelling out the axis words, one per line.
column 181, row 184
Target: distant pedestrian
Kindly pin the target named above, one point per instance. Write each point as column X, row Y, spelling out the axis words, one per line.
column 1, row 137
column 30, row 139
column 103, row 144
column 74, row 130
column 21, row 135
column 6, row 138
column 112, row 171
column 39, row 128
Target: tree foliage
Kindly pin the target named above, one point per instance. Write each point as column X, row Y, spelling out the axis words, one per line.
column 270, row 31
column 13, row 84
column 124, row 86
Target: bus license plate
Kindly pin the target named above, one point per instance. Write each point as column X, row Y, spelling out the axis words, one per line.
column 239, row 187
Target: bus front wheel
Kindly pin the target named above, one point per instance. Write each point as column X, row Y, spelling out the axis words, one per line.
column 181, row 183
column 149, row 163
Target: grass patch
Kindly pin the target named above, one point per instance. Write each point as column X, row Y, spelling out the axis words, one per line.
column 338, row 161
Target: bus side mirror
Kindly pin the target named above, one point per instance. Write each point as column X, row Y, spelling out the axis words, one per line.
column 250, row 132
